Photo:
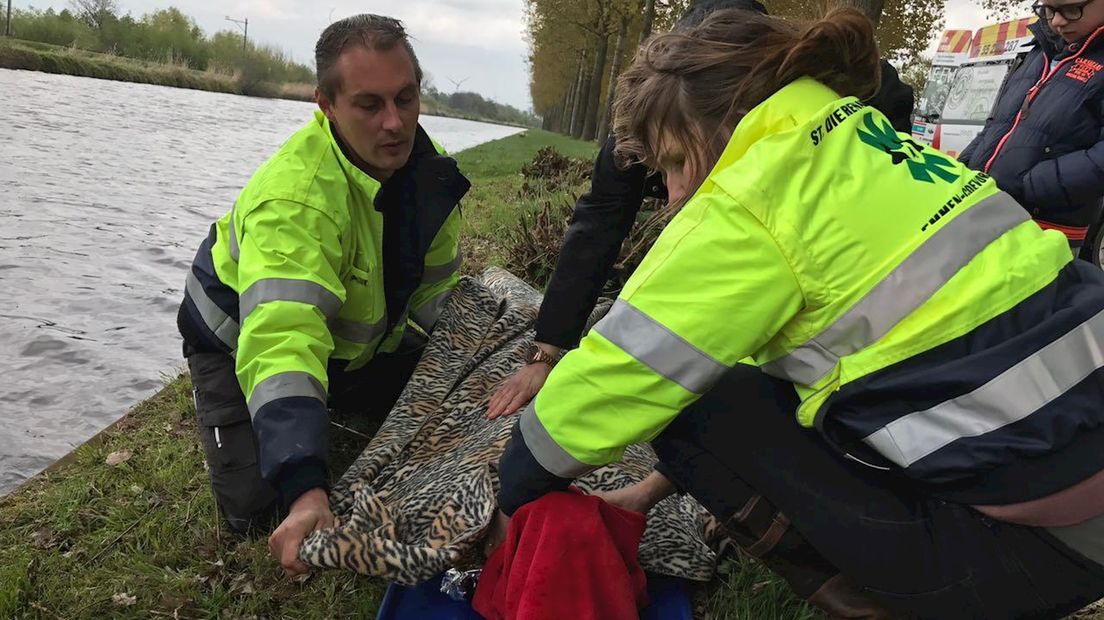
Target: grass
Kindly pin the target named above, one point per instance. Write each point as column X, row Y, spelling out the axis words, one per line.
column 492, row 207
column 141, row 539
column 33, row 56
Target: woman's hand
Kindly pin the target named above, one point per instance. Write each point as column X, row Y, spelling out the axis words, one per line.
column 642, row 496
column 518, row 390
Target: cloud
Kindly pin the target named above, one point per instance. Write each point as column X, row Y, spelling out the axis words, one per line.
column 444, row 23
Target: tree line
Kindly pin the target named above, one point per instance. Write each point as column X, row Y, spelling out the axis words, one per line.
column 165, row 36
column 578, row 47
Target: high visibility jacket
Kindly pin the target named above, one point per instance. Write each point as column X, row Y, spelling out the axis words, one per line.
column 292, row 278
column 926, row 322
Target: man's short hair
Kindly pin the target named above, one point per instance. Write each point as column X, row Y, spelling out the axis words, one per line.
column 372, row 32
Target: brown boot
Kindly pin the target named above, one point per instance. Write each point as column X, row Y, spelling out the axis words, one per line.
column 840, row 599
column 764, row 533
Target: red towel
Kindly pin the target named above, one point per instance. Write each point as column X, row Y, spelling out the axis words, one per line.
column 566, row 555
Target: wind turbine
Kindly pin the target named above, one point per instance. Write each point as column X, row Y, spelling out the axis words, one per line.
column 457, row 84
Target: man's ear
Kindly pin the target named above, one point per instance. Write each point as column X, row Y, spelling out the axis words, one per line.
column 324, row 104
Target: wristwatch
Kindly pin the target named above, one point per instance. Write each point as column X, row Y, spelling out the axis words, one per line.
column 539, row 356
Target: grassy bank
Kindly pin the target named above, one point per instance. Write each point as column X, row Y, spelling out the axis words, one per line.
column 16, row 54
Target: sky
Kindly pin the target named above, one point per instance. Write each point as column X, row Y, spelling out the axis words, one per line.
column 479, row 43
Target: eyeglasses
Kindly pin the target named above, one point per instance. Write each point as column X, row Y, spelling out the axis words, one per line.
column 1069, row 12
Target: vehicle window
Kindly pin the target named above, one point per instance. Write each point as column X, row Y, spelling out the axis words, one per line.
column 935, row 93
column 973, row 93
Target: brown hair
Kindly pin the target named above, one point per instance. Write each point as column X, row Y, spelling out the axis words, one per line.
column 694, row 86
column 373, row 32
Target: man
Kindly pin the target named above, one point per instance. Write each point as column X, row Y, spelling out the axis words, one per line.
column 1044, row 143
column 300, row 296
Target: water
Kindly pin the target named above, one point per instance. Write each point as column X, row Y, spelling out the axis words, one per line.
column 106, row 189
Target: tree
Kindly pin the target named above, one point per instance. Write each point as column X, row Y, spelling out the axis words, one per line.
column 904, row 27
column 615, row 70
column 649, row 16
column 560, row 32
column 594, row 91
column 915, row 73
column 95, row 13
column 1004, row 9
column 872, row 8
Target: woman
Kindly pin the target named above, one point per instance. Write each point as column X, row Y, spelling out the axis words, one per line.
column 944, row 347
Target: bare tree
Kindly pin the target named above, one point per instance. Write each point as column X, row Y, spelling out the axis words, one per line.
column 615, row 70
column 649, row 15
column 95, row 12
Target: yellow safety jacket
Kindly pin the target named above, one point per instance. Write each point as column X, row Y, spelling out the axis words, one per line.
column 292, row 278
column 845, row 258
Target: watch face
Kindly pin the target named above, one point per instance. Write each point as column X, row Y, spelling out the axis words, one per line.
column 538, row 356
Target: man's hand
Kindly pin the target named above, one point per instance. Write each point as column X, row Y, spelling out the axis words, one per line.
column 308, row 513
column 518, row 390
column 496, row 533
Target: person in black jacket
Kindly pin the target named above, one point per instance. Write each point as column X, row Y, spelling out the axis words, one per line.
column 1044, row 143
column 602, row 220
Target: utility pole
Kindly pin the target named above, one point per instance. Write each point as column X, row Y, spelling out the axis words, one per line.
column 7, row 26
column 242, row 23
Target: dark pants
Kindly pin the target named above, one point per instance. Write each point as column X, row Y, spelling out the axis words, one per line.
column 246, row 501
column 910, row 550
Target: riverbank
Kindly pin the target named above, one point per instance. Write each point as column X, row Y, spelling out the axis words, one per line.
column 32, row 56
column 35, row 56
column 125, row 527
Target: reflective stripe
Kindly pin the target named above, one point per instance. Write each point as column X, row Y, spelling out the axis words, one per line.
column 282, row 289
column 235, row 251
column 548, row 453
column 426, row 316
column 1008, row 398
column 221, row 324
column 436, row 273
column 659, row 348
column 285, row 385
column 903, row 290
column 359, row 333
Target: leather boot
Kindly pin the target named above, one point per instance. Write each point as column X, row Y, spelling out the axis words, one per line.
column 764, row 533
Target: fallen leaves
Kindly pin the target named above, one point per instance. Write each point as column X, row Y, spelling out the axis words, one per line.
column 124, row 600
column 117, row 458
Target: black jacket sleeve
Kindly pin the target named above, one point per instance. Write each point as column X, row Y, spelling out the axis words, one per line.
column 894, row 99
column 522, row 478
column 603, row 218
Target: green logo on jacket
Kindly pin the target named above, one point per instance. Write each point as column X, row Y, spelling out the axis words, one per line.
column 922, row 164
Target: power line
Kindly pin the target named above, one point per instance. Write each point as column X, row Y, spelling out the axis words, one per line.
column 242, row 23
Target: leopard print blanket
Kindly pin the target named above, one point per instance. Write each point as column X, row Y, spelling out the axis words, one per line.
column 420, row 497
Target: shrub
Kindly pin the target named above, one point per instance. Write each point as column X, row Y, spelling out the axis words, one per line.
column 534, row 244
